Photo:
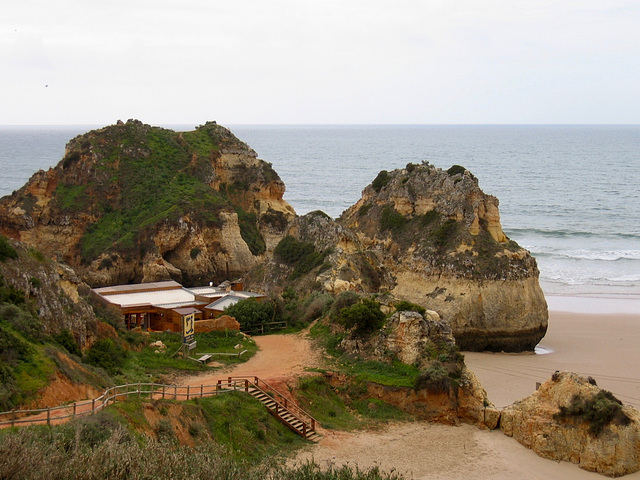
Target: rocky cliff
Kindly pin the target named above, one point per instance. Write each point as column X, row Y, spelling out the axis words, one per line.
column 54, row 292
column 439, row 238
column 569, row 418
column 131, row 202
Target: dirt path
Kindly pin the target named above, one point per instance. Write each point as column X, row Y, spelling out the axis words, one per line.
column 278, row 357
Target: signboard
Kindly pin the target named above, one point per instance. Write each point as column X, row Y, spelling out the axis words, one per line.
column 188, row 328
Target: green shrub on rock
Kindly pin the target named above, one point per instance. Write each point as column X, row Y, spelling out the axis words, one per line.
column 364, row 317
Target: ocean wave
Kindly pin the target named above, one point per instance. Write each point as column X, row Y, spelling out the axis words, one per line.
column 589, row 255
column 563, row 233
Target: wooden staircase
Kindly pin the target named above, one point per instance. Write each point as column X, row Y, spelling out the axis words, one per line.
column 281, row 407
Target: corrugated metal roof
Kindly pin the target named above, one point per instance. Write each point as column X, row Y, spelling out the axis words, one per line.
column 138, row 287
column 159, row 297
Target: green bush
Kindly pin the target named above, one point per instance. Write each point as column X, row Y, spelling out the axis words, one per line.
column 364, row 317
column 6, row 250
column 303, row 256
column 107, row 354
column 65, row 339
column 404, row 306
column 290, row 250
column 435, row 378
column 392, row 220
column 455, row 170
column 445, row 233
column 599, row 411
column 381, row 180
column 364, row 209
column 343, row 300
column 252, row 314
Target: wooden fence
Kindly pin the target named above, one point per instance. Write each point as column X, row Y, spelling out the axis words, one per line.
column 154, row 391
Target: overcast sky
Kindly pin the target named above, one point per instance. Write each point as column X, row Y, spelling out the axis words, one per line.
column 319, row 62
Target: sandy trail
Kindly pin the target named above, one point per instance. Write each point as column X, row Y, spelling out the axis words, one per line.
column 278, row 357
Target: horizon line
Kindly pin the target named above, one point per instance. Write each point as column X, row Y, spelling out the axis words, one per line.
column 339, row 124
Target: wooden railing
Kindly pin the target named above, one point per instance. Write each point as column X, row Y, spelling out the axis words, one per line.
column 56, row 415
column 281, row 400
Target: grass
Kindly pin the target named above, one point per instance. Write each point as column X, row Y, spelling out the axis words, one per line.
column 245, row 428
column 347, row 407
column 100, row 447
column 155, row 177
column 143, row 364
column 393, row 374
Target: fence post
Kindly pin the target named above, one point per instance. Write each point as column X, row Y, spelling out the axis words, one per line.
column 48, row 416
column 163, row 391
column 313, row 424
column 175, row 392
column 286, row 404
column 188, row 388
column 218, row 386
column 304, row 430
column 74, row 409
column 13, row 417
column 246, row 385
column 139, row 390
column 201, row 390
column 93, row 406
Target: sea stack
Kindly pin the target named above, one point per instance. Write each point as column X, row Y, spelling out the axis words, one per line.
column 440, row 239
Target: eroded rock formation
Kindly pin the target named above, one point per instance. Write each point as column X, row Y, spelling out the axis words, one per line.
column 611, row 447
column 131, row 202
column 440, row 239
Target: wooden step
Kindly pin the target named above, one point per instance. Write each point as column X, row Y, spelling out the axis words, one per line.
column 284, row 414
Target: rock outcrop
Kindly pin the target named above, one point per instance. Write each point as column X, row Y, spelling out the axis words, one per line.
column 59, row 297
column 131, row 203
column 569, row 418
column 439, row 238
column 445, row 391
column 219, row 324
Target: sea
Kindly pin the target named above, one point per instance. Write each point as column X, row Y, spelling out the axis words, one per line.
column 569, row 194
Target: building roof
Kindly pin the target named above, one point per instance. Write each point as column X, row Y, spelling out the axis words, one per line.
column 158, row 297
column 170, row 295
column 139, row 287
column 225, row 302
column 207, row 290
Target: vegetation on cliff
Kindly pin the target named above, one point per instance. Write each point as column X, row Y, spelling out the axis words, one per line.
column 126, row 195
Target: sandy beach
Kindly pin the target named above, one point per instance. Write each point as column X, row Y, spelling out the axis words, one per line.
column 602, row 345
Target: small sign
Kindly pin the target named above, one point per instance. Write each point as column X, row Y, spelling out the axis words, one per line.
column 188, row 328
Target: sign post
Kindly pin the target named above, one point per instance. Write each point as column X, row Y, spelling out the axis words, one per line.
column 188, row 333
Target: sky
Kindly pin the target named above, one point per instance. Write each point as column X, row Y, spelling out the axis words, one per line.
column 80, row 62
